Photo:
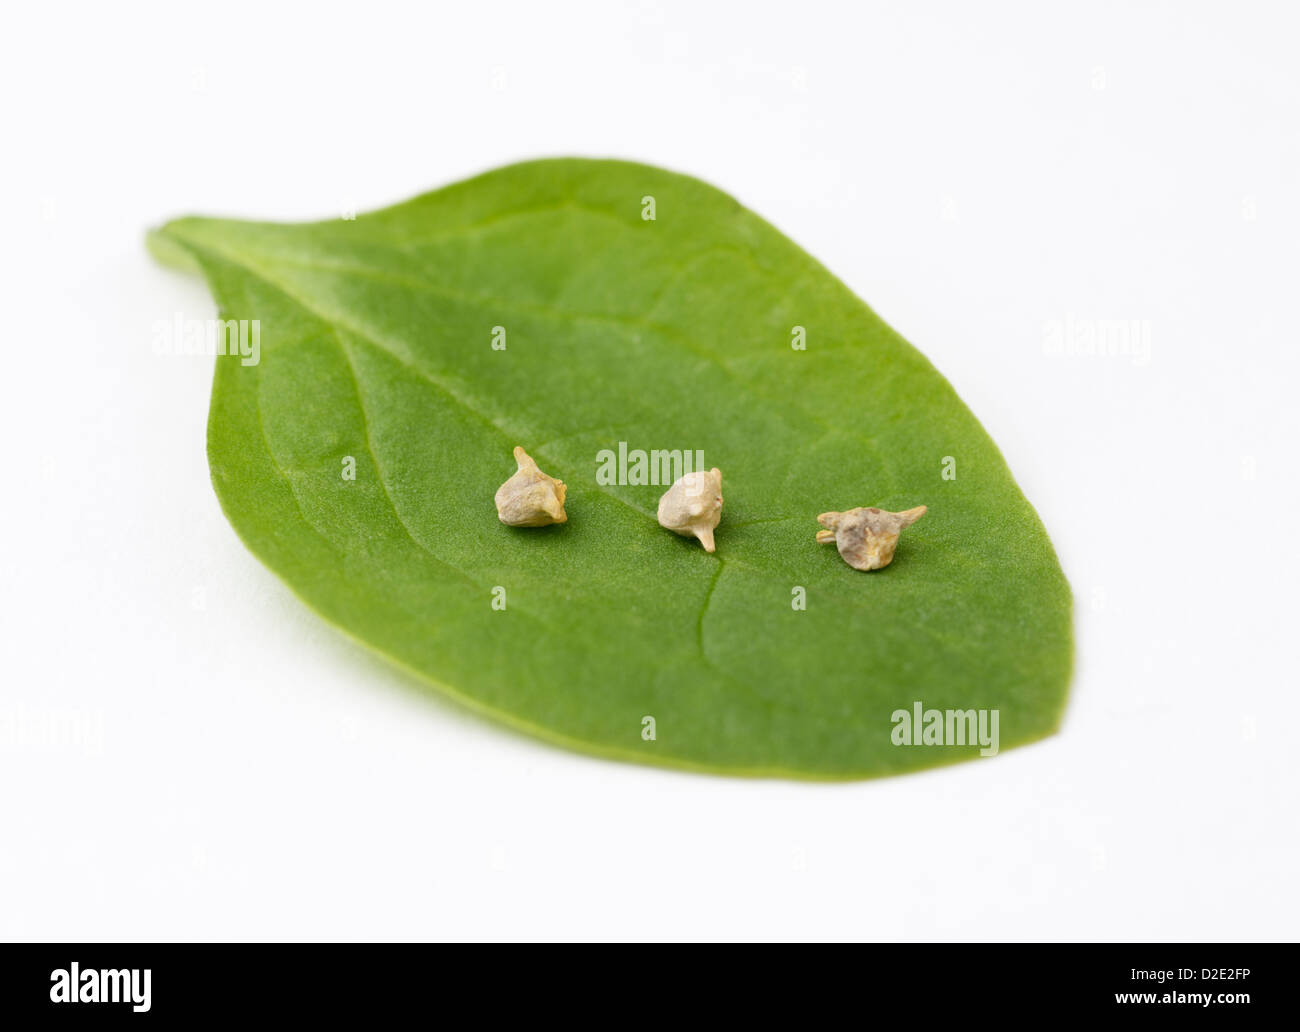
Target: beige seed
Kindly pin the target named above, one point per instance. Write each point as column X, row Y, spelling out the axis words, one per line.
column 530, row 498
column 692, row 507
column 866, row 538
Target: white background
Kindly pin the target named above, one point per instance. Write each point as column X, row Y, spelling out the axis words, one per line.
column 187, row 752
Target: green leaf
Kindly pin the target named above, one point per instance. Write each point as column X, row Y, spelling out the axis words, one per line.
column 667, row 333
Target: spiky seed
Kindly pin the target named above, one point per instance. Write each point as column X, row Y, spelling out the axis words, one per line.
column 530, row 498
column 866, row 537
column 692, row 507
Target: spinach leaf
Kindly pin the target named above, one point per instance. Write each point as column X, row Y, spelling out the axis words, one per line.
column 567, row 306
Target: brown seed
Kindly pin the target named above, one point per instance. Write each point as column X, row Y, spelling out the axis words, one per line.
column 866, row 538
column 692, row 507
column 530, row 498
